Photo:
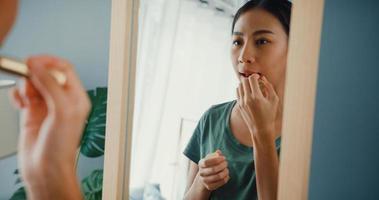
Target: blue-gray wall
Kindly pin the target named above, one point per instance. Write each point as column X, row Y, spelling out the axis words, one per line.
column 345, row 157
column 74, row 29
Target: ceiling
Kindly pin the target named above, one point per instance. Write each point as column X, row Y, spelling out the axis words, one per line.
column 227, row 7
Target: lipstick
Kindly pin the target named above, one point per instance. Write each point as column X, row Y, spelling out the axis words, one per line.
column 19, row 68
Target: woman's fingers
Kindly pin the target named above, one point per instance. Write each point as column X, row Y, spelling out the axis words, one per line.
column 30, row 94
column 209, row 171
column 263, row 88
column 240, row 95
column 16, row 98
column 241, row 91
column 214, row 186
column 246, row 87
column 25, row 95
column 57, row 64
column 210, row 162
column 44, row 82
column 73, row 86
column 213, row 170
column 271, row 91
column 216, row 177
column 254, row 85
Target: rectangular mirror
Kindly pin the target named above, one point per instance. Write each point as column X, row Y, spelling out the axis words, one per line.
column 165, row 80
column 9, row 121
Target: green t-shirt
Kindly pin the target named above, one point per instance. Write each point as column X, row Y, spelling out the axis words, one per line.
column 213, row 132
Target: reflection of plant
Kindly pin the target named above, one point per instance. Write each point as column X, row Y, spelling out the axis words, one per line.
column 92, row 185
column 93, row 139
column 19, row 194
column 92, row 145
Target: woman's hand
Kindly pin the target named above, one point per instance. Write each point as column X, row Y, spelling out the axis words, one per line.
column 213, row 171
column 52, row 122
column 258, row 106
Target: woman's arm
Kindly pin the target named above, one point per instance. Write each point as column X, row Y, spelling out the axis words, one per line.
column 259, row 108
column 266, row 166
column 211, row 173
column 52, row 123
column 195, row 189
column 54, row 182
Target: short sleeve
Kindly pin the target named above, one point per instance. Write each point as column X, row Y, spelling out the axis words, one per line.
column 193, row 148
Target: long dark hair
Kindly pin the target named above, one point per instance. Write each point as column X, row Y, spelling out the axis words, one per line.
column 281, row 9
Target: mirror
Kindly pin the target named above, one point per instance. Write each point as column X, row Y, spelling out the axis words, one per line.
column 9, row 121
column 164, row 17
column 186, row 94
column 78, row 31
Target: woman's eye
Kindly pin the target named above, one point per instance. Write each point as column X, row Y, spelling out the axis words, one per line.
column 261, row 42
column 236, row 42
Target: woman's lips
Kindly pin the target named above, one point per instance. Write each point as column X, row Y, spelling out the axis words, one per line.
column 244, row 75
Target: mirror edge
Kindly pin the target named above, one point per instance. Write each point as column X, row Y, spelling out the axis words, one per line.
column 306, row 25
column 122, row 65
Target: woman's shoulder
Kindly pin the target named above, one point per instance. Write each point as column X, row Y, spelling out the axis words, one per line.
column 221, row 108
column 217, row 113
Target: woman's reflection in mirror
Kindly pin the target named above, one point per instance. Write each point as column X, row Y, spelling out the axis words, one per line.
column 234, row 150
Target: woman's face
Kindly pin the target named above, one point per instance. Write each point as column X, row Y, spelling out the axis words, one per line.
column 259, row 45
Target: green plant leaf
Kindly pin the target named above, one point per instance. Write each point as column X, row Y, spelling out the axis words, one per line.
column 92, row 185
column 18, row 180
column 20, row 194
column 92, row 143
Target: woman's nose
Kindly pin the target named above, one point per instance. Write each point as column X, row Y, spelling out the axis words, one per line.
column 245, row 60
column 246, row 55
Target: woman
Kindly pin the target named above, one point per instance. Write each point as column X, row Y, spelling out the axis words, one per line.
column 52, row 122
column 233, row 150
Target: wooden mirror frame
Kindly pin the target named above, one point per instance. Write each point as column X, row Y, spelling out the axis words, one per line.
column 299, row 101
column 121, row 86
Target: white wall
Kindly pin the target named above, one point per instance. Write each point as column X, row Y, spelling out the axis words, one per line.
column 74, row 29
